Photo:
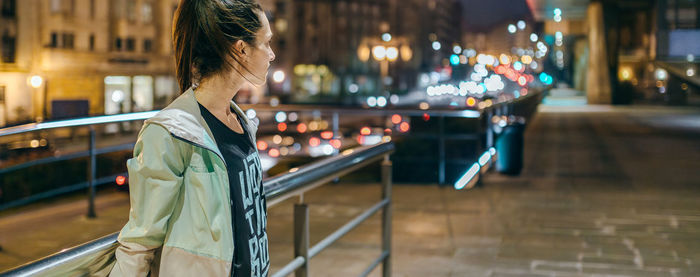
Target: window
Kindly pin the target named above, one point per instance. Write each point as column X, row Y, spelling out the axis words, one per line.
column 54, row 40
column 117, row 94
column 118, row 44
column 8, row 48
column 61, row 40
column 63, row 6
column 118, row 9
column 130, row 44
column 92, row 9
column 146, row 12
column 92, row 42
column 142, row 93
column 8, row 8
column 71, row 7
column 166, row 89
column 68, row 40
column 131, row 10
column 3, row 114
column 55, row 6
column 147, row 45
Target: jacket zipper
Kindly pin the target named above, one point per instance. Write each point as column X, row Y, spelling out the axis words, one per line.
column 227, row 184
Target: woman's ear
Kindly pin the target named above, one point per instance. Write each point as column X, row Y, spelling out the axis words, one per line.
column 240, row 47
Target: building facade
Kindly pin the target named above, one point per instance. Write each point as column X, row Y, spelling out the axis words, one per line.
column 324, row 46
column 64, row 58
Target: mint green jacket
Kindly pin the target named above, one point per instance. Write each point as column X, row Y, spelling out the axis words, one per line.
column 180, row 217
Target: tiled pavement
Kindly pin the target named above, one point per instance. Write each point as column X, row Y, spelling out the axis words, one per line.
column 605, row 192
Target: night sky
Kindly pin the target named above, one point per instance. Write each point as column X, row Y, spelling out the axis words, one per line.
column 480, row 15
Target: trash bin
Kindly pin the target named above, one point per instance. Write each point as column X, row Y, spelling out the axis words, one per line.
column 509, row 145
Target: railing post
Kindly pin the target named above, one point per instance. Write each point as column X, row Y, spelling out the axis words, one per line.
column 92, row 171
column 441, row 151
column 386, row 216
column 301, row 237
column 489, row 129
column 336, row 122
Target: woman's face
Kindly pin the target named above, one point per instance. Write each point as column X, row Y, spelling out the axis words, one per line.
column 260, row 55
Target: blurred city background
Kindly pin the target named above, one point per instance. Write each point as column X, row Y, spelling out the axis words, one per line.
column 588, row 111
column 75, row 58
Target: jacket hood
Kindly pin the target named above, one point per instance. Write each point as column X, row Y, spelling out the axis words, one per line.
column 183, row 119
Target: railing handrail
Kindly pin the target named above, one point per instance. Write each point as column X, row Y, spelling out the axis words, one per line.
column 85, row 121
column 670, row 66
column 535, row 92
column 468, row 113
column 80, row 258
column 105, row 119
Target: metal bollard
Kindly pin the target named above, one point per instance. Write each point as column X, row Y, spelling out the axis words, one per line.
column 441, row 151
column 336, row 135
column 386, row 216
column 489, row 130
column 92, row 171
column 301, row 237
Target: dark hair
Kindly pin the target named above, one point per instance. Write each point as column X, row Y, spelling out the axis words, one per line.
column 204, row 32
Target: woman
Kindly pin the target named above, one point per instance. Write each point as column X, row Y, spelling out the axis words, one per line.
column 197, row 201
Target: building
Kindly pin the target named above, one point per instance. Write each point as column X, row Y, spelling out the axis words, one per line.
column 316, row 45
column 615, row 45
column 324, row 46
column 63, row 58
column 66, row 58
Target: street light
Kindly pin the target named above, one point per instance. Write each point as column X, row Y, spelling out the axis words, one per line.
column 384, row 49
column 363, row 53
column 386, row 37
column 278, row 76
column 406, row 53
column 512, row 29
column 379, row 52
column 392, row 53
column 534, row 37
column 36, row 81
column 436, row 45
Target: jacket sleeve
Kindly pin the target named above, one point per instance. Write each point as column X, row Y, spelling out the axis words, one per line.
column 155, row 179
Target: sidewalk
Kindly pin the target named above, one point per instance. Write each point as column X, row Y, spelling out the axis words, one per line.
column 605, row 192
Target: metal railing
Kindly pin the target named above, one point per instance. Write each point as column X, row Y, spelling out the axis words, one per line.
column 483, row 137
column 89, row 258
column 681, row 83
column 441, row 136
column 91, row 153
column 92, row 256
column 679, row 70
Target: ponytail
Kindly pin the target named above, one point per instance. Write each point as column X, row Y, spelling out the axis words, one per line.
column 204, row 32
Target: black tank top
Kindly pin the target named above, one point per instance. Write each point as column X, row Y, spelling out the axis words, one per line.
column 248, row 205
